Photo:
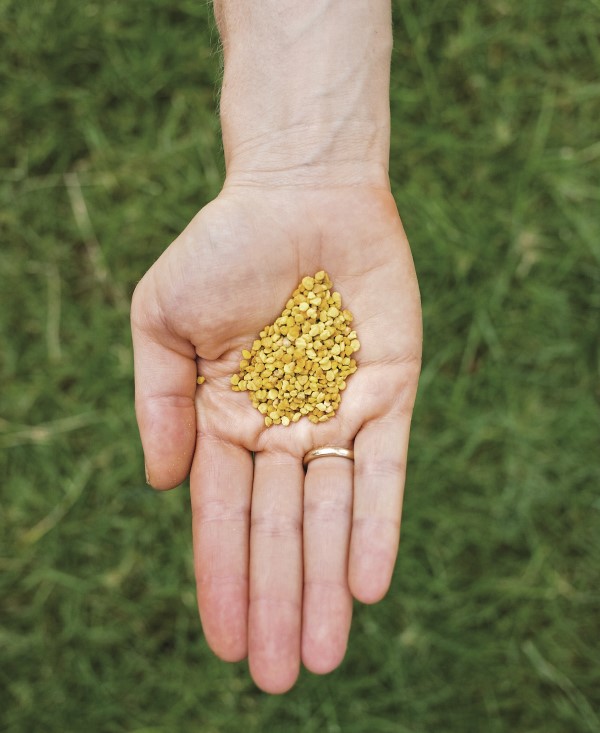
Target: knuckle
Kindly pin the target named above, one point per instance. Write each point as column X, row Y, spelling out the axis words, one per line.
column 377, row 527
column 138, row 311
column 218, row 511
column 276, row 525
column 327, row 510
column 390, row 467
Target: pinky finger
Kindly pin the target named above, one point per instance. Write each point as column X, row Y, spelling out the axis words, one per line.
column 380, row 450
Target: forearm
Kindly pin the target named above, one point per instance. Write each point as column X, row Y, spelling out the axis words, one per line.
column 305, row 96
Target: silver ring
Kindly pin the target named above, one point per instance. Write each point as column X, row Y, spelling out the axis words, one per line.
column 326, row 452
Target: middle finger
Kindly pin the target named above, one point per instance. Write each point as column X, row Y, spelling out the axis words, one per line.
column 274, row 616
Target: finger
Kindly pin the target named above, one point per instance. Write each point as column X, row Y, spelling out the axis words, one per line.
column 274, row 620
column 165, row 385
column 380, row 450
column 220, row 488
column 327, row 602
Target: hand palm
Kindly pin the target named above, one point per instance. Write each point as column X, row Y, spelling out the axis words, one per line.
column 226, row 277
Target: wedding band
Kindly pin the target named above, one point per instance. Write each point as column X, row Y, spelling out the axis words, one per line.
column 326, row 452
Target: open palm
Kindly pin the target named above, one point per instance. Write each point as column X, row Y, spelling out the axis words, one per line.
column 280, row 553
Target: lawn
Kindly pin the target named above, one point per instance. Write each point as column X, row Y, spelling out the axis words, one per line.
column 110, row 144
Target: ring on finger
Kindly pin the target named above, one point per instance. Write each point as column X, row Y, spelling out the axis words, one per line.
column 326, row 452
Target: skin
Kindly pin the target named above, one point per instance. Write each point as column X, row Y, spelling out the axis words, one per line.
column 279, row 554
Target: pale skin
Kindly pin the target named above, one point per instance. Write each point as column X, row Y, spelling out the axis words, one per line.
column 279, row 554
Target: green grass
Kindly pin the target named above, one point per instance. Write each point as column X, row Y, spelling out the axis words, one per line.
column 110, row 144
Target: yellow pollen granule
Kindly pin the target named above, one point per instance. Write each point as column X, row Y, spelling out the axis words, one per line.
column 300, row 363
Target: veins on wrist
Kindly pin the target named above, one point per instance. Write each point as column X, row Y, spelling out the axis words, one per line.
column 337, row 153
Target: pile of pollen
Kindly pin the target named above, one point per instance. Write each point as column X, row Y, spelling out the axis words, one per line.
column 299, row 364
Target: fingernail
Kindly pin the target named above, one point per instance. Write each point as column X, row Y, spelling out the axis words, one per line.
column 146, row 472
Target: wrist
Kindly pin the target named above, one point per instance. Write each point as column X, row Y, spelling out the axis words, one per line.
column 342, row 153
column 305, row 97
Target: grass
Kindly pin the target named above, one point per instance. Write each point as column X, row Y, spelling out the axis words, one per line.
column 110, row 145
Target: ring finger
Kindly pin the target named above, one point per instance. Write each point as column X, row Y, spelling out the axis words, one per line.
column 327, row 602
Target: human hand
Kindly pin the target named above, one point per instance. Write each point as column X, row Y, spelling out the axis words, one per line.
column 279, row 554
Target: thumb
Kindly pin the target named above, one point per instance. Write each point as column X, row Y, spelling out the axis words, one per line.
column 165, row 385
